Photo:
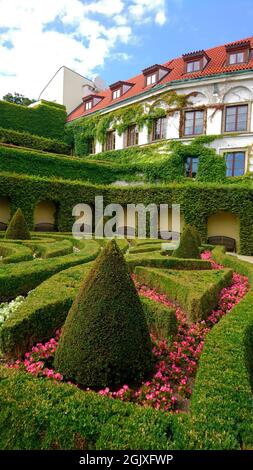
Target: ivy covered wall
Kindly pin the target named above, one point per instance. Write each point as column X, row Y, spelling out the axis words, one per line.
column 46, row 120
column 198, row 201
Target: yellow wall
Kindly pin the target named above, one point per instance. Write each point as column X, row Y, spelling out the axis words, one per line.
column 224, row 223
column 44, row 213
column 5, row 211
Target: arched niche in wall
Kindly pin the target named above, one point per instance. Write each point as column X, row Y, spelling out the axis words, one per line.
column 223, row 224
column 5, row 212
column 237, row 94
column 45, row 216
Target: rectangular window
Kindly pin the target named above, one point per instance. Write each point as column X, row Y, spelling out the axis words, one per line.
column 235, row 162
column 116, row 94
column 193, row 123
column 239, row 57
column 236, row 118
column 151, row 79
column 191, row 167
column 110, row 141
column 88, row 105
column 132, row 136
column 159, row 129
column 194, row 66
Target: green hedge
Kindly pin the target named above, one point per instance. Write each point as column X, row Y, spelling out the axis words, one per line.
column 38, row 414
column 20, row 278
column 162, row 321
column 44, row 120
column 197, row 201
column 222, row 400
column 156, row 260
column 47, row 306
column 24, row 139
column 14, row 253
column 197, row 292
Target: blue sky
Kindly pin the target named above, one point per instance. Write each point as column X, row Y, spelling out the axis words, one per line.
column 115, row 39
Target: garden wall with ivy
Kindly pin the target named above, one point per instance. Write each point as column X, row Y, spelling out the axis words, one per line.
column 46, row 120
column 198, row 200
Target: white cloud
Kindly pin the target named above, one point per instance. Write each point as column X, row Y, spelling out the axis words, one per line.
column 39, row 36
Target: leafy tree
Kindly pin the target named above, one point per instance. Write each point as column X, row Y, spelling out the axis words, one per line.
column 17, row 98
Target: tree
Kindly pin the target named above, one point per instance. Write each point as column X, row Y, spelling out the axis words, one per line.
column 17, row 228
column 105, row 339
column 189, row 244
column 18, row 99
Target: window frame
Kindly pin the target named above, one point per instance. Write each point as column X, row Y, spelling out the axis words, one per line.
column 153, row 74
column 120, row 90
column 128, row 136
column 88, row 105
column 190, row 167
column 110, row 142
column 188, row 62
column 163, row 121
column 194, row 110
column 224, row 119
column 234, row 151
column 236, row 52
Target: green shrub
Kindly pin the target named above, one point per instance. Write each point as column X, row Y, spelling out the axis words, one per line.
column 188, row 246
column 43, row 120
column 222, row 402
column 157, row 260
column 196, row 234
column 17, row 228
column 145, row 248
column 105, row 339
column 18, row 279
column 162, row 321
column 14, row 253
column 24, row 139
column 197, row 292
column 39, row 414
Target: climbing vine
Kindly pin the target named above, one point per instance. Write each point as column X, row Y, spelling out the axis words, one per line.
column 97, row 126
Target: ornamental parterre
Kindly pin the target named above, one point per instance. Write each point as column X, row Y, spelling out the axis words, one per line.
column 176, row 361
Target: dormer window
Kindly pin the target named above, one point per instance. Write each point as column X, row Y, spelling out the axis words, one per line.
column 119, row 89
column 116, row 94
column 238, row 53
column 193, row 66
column 195, row 61
column 91, row 100
column 151, row 79
column 88, row 105
column 154, row 74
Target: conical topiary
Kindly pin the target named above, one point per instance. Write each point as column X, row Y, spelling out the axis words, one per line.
column 196, row 234
column 105, row 339
column 17, row 228
column 188, row 247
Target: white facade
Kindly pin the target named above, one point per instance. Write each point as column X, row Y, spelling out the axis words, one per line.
column 213, row 94
column 68, row 88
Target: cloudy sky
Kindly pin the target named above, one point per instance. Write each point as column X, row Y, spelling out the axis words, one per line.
column 111, row 38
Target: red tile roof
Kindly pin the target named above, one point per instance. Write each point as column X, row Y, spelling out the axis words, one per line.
column 216, row 65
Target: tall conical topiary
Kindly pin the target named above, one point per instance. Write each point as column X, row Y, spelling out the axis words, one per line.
column 17, row 228
column 196, row 234
column 188, row 247
column 105, row 339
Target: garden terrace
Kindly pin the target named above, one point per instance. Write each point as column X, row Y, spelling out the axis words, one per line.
column 220, row 413
column 211, row 207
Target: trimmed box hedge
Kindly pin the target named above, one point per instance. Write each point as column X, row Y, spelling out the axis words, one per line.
column 222, row 401
column 43, row 120
column 39, row 414
column 20, row 278
column 14, row 253
column 197, row 292
column 156, row 260
column 24, row 139
column 162, row 321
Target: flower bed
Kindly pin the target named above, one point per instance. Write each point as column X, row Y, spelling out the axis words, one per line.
column 176, row 361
